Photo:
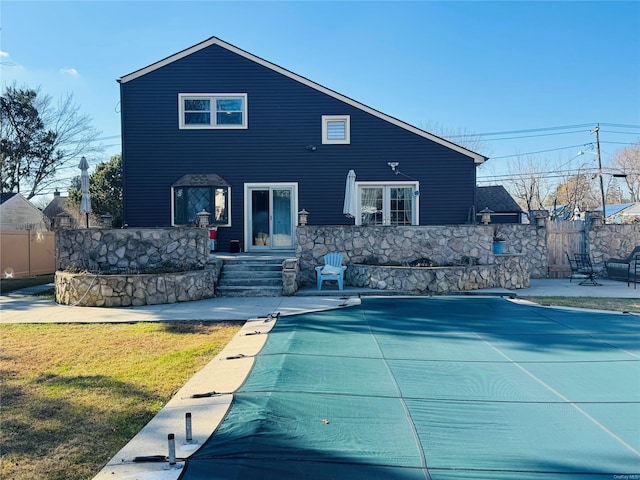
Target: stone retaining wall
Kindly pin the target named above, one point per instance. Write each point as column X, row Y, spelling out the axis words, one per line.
column 509, row 271
column 612, row 241
column 132, row 249
column 400, row 245
column 89, row 290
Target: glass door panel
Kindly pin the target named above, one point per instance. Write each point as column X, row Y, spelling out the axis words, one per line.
column 260, row 218
column 401, row 206
column 371, row 202
column 281, row 218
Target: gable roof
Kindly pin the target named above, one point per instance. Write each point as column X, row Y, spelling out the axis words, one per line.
column 7, row 196
column 478, row 159
column 614, row 209
column 56, row 206
column 496, row 198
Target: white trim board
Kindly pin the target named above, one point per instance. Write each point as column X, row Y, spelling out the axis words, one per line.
column 478, row 159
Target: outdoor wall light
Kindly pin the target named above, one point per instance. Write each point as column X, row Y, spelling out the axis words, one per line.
column 303, row 217
column 393, row 166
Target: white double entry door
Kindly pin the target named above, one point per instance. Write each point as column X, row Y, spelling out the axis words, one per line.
column 271, row 212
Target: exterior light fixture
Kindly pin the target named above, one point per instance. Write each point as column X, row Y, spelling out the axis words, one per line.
column 303, row 217
column 107, row 220
column 203, row 218
column 486, row 215
column 393, row 166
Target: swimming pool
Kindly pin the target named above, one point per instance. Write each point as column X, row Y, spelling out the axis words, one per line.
column 435, row 388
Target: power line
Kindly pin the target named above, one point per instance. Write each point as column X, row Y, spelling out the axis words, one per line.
column 541, row 151
column 529, row 130
column 623, row 133
column 532, row 136
column 620, row 125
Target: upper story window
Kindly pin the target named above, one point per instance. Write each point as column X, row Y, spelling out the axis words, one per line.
column 336, row 129
column 212, row 110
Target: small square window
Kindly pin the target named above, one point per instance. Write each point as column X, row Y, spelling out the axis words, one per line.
column 336, row 129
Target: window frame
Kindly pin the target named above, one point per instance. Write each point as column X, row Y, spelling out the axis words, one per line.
column 212, row 97
column 386, row 201
column 326, row 119
column 212, row 221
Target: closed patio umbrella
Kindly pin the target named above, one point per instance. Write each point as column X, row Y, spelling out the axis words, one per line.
column 85, row 203
column 350, row 195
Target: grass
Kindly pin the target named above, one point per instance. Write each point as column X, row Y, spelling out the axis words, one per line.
column 613, row 304
column 73, row 395
column 11, row 284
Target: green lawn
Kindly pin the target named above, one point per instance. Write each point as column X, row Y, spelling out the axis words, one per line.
column 73, row 395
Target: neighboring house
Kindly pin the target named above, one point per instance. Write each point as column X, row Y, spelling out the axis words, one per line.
column 630, row 214
column 18, row 213
column 60, row 214
column 496, row 198
column 621, row 212
column 214, row 127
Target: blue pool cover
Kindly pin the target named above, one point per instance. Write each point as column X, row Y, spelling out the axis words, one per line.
column 435, row 388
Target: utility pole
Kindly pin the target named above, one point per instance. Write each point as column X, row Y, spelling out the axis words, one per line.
column 597, row 132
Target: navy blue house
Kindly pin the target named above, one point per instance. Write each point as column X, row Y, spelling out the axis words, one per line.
column 214, row 127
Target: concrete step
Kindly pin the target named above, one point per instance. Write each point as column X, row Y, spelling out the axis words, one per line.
column 250, row 276
column 251, row 267
column 250, row 282
column 248, row 291
column 257, row 276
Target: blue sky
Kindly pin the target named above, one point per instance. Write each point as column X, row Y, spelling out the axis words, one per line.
column 482, row 67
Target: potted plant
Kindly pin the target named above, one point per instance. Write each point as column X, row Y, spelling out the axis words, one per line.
column 498, row 242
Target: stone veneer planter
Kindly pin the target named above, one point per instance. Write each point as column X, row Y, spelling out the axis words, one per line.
column 90, row 290
column 508, row 271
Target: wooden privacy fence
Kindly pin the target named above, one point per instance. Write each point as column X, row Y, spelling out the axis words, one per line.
column 563, row 238
column 25, row 253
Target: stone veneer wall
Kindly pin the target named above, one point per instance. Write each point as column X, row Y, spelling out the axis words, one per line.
column 509, row 271
column 92, row 290
column 611, row 241
column 290, row 272
column 442, row 244
column 132, row 249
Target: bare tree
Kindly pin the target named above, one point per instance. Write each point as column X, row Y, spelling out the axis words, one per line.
column 627, row 161
column 460, row 136
column 39, row 138
column 529, row 183
column 577, row 190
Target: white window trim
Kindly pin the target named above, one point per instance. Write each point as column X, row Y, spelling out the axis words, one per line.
column 347, row 129
column 415, row 221
column 211, row 96
column 173, row 210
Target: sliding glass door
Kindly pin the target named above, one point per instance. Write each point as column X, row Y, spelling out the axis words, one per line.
column 271, row 216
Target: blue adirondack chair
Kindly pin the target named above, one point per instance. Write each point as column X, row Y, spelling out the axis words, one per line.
column 331, row 270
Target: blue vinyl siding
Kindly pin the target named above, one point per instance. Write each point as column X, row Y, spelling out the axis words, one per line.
column 284, row 116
